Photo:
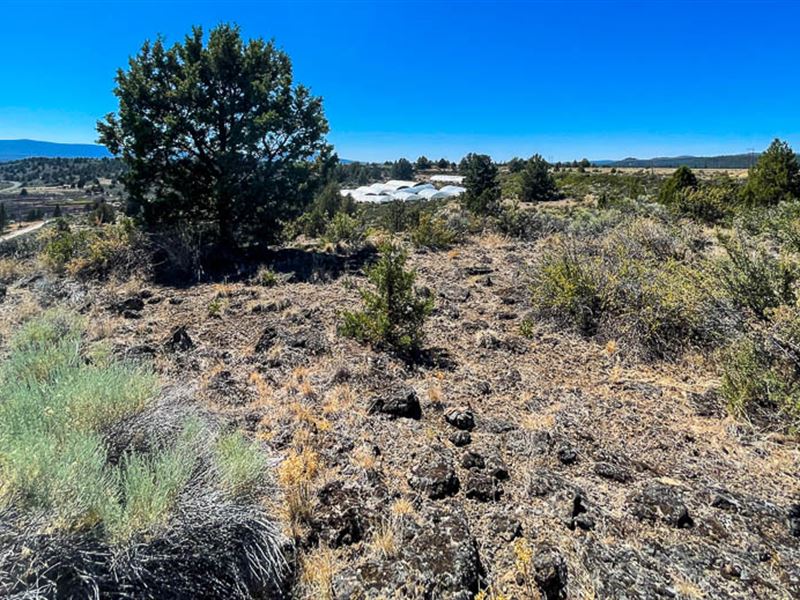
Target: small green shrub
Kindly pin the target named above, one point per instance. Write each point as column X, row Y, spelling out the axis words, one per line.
column 761, row 371
column 567, row 287
column 216, row 307
column 526, row 224
column 527, row 328
column 93, row 252
column 266, row 277
column 754, row 277
column 241, row 465
column 706, row 203
column 150, row 486
column 344, row 229
column 629, row 286
column 106, row 492
column 394, row 313
column 54, row 410
column 432, row 232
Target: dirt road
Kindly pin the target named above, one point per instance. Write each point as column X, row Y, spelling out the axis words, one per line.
column 15, row 185
column 13, row 234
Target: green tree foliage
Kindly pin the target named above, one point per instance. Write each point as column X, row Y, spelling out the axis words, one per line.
column 483, row 187
column 423, row 163
column 216, row 133
column 682, row 179
column 103, row 213
column 394, row 312
column 400, row 215
column 443, row 163
column 343, row 228
column 57, row 211
column 34, row 214
column 516, row 164
column 60, row 171
column 327, row 203
column 537, row 181
column 774, row 178
column 3, row 217
column 402, row 169
column 432, row 232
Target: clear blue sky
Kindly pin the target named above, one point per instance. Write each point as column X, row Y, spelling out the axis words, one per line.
column 566, row 79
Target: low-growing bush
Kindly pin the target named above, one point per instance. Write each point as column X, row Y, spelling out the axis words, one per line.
column 432, row 232
column 526, row 224
column 344, row 229
column 266, row 277
column 708, row 203
column 761, row 371
column 568, row 287
column 755, row 277
column 93, row 251
column 108, row 492
column 394, row 313
column 631, row 287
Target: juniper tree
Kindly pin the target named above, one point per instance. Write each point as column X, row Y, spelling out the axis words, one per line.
column 216, row 131
column 483, row 188
column 537, row 182
column 774, row 178
column 682, row 179
column 402, row 169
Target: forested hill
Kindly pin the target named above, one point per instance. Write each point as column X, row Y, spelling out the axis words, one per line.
column 18, row 149
column 730, row 161
column 60, row 171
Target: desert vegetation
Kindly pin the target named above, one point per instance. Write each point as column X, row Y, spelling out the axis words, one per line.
column 228, row 380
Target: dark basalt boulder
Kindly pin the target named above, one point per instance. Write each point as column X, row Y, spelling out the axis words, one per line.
column 660, row 502
column 397, row 402
column 435, row 476
column 179, row 340
column 437, row 558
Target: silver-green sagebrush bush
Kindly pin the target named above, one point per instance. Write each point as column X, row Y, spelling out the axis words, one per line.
column 107, row 492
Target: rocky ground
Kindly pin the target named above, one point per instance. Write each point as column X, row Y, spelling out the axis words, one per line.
column 538, row 466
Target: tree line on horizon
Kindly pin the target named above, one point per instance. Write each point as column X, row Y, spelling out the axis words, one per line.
column 214, row 133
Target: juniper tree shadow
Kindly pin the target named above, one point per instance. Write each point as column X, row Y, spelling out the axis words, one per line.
column 296, row 265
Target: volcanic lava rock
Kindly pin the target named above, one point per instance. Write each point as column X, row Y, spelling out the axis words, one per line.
column 660, row 502
column 401, row 401
column 435, row 476
column 461, row 418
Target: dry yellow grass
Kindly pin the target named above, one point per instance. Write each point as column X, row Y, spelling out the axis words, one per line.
column 317, row 571
column 385, row 540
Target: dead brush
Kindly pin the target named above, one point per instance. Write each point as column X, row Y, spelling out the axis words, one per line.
column 318, row 569
column 295, row 474
column 339, row 399
column 386, row 539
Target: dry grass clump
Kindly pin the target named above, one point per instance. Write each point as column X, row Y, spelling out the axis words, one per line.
column 386, row 539
column 296, row 474
column 318, row 570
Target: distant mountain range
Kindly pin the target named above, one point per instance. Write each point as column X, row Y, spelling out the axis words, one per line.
column 19, row 149
column 728, row 161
